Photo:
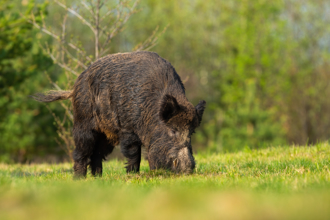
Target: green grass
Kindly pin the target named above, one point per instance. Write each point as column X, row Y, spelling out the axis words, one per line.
column 275, row 183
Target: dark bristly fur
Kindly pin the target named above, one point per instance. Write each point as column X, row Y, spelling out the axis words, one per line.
column 135, row 99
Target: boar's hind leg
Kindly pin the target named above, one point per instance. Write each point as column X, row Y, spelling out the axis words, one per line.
column 101, row 150
column 131, row 149
column 85, row 142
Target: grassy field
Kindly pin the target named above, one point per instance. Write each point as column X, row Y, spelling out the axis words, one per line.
column 275, row 183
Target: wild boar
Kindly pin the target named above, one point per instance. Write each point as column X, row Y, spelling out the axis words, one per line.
column 132, row 99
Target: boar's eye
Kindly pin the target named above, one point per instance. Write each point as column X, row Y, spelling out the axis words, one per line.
column 173, row 133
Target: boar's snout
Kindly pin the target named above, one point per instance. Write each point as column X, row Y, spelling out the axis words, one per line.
column 184, row 163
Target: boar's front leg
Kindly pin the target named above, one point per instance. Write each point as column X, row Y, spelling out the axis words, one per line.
column 130, row 146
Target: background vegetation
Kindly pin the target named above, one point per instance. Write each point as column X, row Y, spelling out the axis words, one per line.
column 262, row 66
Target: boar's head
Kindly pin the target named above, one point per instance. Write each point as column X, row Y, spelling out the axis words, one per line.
column 171, row 141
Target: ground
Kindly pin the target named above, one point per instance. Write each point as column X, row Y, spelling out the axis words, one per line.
column 274, row 183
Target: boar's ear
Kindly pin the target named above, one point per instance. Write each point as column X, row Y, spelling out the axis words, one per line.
column 169, row 107
column 200, row 110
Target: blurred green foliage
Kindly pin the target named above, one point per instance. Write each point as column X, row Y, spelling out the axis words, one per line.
column 262, row 66
column 26, row 127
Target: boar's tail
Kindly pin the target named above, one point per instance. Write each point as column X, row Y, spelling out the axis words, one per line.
column 52, row 95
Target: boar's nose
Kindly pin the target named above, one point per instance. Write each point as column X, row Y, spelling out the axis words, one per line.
column 185, row 162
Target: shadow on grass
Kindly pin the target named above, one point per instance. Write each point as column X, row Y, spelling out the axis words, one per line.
column 154, row 174
column 21, row 173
